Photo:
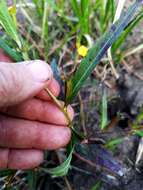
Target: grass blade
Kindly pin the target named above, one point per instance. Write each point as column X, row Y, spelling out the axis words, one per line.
column 139, row 133
column 108, row 14
column 97, row 52
column 12, row 53
column 32, row 179
column 97, row 186
column 76, row 8
column 104, row 119
column 7, row 23
column 82, row 11
column 7, row 172
column 111, row 144
column 130, row 27
column 62, row 169
column 120, row 7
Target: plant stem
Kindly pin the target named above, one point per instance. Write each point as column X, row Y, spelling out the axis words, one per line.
column 59, row 105
column 44, row 22
column 25, row 56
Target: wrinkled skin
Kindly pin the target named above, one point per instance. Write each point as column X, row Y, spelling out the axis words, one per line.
column 29, row 121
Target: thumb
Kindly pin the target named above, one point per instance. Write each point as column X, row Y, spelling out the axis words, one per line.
column 20, row 81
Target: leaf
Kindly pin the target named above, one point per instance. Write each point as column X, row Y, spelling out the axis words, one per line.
column 139, row 133
column 138, row 119
column 95, row 54
column 32, row 179
column 76, row 8
column 97, row 186
column 104, row 119
column 82, row 11
column 56, row 71
column 129, row 28
column 108, row 14
column 62, row 169
column 6, row 172
column 119, row 10
column 111, row 144
column 16, row 56
column 7, row 23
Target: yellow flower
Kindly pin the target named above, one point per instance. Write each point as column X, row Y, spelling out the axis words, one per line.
column 82, row 50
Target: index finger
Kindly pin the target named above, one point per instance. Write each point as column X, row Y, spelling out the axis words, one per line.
column 53, row 86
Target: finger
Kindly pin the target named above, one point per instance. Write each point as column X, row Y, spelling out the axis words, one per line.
column 20, row 81
column 18, row 133
column 4, row 57
column 54, row 87
column 38, row 110
column 20, row 159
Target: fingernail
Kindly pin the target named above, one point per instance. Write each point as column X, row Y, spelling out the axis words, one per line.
column 40, row 70
column 70, row 112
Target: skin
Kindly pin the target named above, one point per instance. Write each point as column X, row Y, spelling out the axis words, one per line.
column 29, row 121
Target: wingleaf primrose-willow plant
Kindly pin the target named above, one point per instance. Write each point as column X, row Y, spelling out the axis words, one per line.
column 91, row 58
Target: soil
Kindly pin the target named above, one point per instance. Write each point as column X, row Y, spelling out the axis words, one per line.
column 113, row 168
column 116, row 169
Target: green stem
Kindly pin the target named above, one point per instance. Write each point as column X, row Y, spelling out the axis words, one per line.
column 44, row 23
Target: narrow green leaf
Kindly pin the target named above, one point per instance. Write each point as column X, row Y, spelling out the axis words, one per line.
column 6, row 172
column 7, row 23
column 109, row 13
column 138, row 119
column 82, row 11
column 113, row 142
column 129, row 28
column 97, row 186
column 104, row 119
column 45, row 21
column 76, row 8
column 139, row 133
column 119, row 10
column 97, row 52
column 32, row 179
column 62, row 169
column 16, row 56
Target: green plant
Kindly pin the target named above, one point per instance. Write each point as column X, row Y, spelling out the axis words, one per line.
column 104, row 116
column 21, row 49
column 82, row 11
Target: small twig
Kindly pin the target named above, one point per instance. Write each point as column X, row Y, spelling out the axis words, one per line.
column 112, row 65
column 81, row 170
column 113, row 123
column 9, row 180
column 67, row 183
column 97, row 75
column 85, row 160
column 130, row 70
column 132, row 51
column 104, row 72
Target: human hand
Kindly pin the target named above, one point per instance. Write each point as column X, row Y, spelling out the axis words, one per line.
column 29, row 121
